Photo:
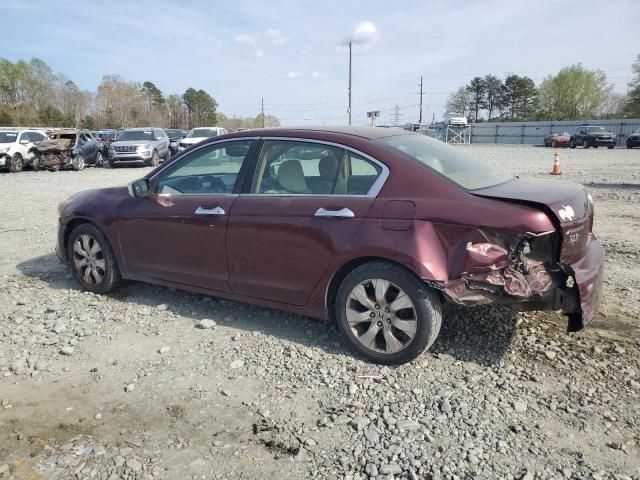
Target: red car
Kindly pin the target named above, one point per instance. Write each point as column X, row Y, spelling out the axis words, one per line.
column 374, row 228
column 557, row 140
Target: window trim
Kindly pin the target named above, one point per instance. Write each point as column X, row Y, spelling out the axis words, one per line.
column 373, row 192
column 153, row 180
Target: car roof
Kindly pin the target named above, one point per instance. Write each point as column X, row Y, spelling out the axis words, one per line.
column 369, row 133
column 138, row 129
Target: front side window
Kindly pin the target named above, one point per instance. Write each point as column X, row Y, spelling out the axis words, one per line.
column 211, row 170
column 8, row 137
column 465, row 170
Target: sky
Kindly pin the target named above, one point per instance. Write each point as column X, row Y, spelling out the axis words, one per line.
column 292, row 53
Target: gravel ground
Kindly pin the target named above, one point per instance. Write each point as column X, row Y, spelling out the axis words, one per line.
column 155, row 383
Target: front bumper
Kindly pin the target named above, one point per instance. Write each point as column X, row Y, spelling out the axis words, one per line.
column 601, row 141
column 633, row 141
column 5, row 160
column 131, row 158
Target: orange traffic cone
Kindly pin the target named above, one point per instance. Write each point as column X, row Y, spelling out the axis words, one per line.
column 556, row 164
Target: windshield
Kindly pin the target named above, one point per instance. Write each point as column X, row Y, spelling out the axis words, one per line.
column 174, row 133
column 135, row 135
column 202, row 133
column 595, row 129
column 8, row 137
column 466, row 171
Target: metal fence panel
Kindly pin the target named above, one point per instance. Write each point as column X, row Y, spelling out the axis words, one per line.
column 533, row 133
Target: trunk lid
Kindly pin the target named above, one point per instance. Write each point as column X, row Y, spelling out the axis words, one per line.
column 566, row 203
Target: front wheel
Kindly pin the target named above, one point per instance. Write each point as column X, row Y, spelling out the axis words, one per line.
column 610, row 147
column 386, row 313
column 17, row 163
column 572, row 144
column 91, row 259
column 154, row 159
column 585, row 144
column 99, row 159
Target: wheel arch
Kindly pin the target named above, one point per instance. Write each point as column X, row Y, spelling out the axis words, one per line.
column 340, row 274
column 75, row 223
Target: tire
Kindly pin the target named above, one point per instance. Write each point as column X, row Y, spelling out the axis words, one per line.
column 610, row 147
column 422, row 318
column 99, row 159
column 78, row 163
column 17, row 163
column 168, row 155
column 553, row 144
column 35, row 163
column 101, row 259
column 572, row 143
column 585, row 143
column 107, row 163
column 154, row 159
column 629, row 145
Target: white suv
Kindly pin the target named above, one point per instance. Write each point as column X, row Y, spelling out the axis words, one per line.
column 15, row 146
column 196, row 135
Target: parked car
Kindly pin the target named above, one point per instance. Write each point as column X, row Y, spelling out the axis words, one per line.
column 103, row 137
column 139, row 146
column 556, row 140
column 592, row 136
column 376, row 230
column 175, row 135
column 197, row 135
column 633, row 140
column 15, row 148
column 66, row 148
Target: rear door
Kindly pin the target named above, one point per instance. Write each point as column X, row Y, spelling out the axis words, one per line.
column 178, row 233
column 305, row 202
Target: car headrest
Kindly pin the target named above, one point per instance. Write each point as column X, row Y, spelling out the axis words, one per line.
column 291, row 177
column 328, row 167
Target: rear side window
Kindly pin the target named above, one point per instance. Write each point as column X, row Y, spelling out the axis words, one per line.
column 361, row 174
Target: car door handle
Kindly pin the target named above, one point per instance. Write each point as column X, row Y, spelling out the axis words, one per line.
column 342, row 213
column 209, row 211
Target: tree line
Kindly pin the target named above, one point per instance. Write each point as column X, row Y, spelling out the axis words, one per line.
column 574, row 93
column 32, row 94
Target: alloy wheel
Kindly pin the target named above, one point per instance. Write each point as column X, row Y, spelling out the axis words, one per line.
column 381, row 316
column 88, row 259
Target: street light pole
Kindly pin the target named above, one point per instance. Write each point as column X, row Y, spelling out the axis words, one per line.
column 349, row 109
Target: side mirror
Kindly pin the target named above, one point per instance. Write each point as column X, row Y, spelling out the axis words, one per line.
column 24, row 141
column 139, row 188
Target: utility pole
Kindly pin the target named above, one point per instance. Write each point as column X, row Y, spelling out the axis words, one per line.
column 349, row 109
column 396, row 115
column 262, row 108
column 421, row 93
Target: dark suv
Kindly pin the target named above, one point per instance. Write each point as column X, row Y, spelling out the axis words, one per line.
column 592, row 136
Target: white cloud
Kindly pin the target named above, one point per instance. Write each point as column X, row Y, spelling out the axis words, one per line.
column 277, row 36
column 294, row 74
column 259, row 53
column 316, row 75
column 364, row 35
column 245, row 38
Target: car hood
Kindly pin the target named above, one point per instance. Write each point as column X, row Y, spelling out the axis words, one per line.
column 567, row 201
column 131, row 142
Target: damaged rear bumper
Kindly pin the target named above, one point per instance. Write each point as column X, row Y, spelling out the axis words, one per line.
column 508, row 277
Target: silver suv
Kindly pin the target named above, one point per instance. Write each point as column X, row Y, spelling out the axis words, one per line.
column 139, row 146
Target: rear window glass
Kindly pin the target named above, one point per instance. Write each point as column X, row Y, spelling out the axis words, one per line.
column 451, row 162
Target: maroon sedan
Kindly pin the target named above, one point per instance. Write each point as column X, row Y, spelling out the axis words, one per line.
column 374, row 228
column 557, row 140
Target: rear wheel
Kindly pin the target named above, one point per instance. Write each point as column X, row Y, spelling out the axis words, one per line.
column 78, row 163
column 386, row 313
column 572, row 143
column 91, row 259
column 585, row 143
column 17, row 163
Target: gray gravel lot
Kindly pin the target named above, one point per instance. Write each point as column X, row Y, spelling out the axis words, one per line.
column 155, row 383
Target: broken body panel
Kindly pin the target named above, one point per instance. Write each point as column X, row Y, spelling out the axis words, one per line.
column 560, row 267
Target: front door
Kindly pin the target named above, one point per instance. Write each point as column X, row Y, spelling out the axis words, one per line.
column 178, row 233
column 307, row 201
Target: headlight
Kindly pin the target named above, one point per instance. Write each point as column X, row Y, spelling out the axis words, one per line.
column 143, row 147
column 4, row 149
column 173, row 144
